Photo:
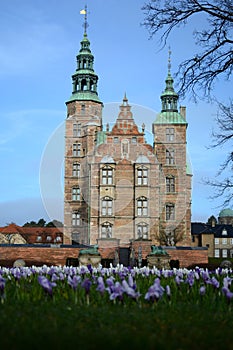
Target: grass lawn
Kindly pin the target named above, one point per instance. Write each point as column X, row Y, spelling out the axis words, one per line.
column 49, row 325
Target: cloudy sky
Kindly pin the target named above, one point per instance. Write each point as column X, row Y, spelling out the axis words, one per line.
column 39, row 41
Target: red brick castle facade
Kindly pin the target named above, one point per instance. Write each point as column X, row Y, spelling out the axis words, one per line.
column 117, row 186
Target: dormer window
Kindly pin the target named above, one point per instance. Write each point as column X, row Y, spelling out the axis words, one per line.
column 224, row 232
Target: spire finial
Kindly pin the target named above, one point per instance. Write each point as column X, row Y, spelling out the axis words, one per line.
column 169, row 59
column 85, row 24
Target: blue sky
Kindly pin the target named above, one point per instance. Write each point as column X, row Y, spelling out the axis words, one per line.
column 39, row 41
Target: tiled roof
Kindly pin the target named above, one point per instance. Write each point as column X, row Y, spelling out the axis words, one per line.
column 31, row 234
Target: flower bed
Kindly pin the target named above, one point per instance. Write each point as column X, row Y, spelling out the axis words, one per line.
column 116, row 285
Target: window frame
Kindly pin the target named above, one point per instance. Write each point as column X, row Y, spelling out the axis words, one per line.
column 170, row 212
column 108, row 176
column 170, row 134
column 142, row 206
column 76, row 170
column 76, row 219
column 76, row 193
column 106, row 206
column 143, row 177
column 143, row 227
column 170, row 157
column 170, row 184
column 105, row 226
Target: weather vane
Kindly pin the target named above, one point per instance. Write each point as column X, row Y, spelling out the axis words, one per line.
column 169, row 59
column 85, row 24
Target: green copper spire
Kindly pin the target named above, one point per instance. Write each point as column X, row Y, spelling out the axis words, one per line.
column 84, row 79
column 169, row 97
column 169, row 113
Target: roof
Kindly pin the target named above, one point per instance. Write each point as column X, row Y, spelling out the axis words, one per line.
column 199, row 228
column 170, row 117
column 226, row 212
column 30, row 234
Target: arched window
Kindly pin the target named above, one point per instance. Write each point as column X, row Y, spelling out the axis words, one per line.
column 106, row 207
column 83, row 84
column 142, row 175
column 142, row 206
column 106, row 230
column 76, row 169
column 76, row 194
column 107, row 175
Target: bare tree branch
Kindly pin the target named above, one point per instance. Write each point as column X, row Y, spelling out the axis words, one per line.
column 196, row 74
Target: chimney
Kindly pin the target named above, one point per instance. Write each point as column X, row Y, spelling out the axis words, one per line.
column 213, row 223
column 183, row 111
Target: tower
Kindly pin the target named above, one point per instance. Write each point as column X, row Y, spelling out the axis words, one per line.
column 169, row 131
column 84, row 120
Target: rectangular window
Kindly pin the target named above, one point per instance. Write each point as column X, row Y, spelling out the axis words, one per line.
column 134, row 139
column 169, row 134
column 142, row 207
column 224, row 240
column 216, row 253
column 142, row 176
column 76, row 221
column 170, row 212
column 76, row 195
column 76, row 169
column 115, row 140
column 77, row 149
column 106, row 231
column 107, row 176
column 170, row 160
column 107, row 207
column 216, row 241
column 224, row 253
column 231, row 240
column 170, row 184
column 142, row 231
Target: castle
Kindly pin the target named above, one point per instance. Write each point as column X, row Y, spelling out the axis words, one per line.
column 117, row 186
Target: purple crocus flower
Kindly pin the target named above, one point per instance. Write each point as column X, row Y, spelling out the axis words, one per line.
column 129, row 290
column 168, row 291
column 100, row 286
column 202, row 290
column 116, row 291
column 155, row 292
column 73, row 282
column 2, row 285
column 86, row 284
column 226, row 291
column 46, row 284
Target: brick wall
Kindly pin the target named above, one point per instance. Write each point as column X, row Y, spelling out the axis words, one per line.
column 39, row 255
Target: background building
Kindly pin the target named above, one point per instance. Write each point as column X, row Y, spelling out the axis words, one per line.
column 216, row 236
column 117, row 186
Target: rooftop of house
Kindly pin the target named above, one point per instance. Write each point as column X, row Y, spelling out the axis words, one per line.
column 218, row 230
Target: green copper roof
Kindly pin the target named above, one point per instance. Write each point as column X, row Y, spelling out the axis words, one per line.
column 84, row 96
column 170, row 117
column 226, row 212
